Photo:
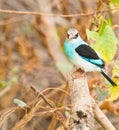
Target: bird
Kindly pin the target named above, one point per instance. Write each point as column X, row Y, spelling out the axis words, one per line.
column 82, row 55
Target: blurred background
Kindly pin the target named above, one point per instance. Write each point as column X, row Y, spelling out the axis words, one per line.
column 32, row 60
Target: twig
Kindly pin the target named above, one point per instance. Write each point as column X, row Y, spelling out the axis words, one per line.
column 5, row 90
column 46, row 100
column 53, row 15
column 102, row 119
column 59, row 88
column 6, row 114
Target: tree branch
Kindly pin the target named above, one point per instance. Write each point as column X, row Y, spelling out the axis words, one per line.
column 102, row 119
column 82, row 104
column 54, row 15
column 84, row 108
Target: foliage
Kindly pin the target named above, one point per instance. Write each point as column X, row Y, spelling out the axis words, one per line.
column 114, row 93
column 105, row 43
column 116, row 2
column 19, row 102
column 115, row 68
column 3, row 83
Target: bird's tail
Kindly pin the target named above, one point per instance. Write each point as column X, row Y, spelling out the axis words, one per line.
column 108, row 78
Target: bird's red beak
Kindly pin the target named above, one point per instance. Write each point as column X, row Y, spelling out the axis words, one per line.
column 71, row 36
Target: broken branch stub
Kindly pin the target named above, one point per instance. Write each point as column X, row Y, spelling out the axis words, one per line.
column 82, row 117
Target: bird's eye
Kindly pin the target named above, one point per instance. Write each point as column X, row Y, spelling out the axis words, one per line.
column 76, row 35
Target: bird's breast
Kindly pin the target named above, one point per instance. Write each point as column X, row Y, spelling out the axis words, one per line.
column 70, row 53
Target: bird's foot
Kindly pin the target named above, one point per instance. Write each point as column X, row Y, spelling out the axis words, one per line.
column 75, row 69
column 77, row 73
column 80, row 75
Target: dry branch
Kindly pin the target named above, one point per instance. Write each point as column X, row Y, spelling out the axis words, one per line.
column 84, row 108
column 54, row 15
column 82, row 117
column 102, row 119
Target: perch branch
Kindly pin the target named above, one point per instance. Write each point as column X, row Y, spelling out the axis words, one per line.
column 82, row 104
column 84, row 108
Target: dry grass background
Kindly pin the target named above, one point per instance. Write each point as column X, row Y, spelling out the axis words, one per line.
column 30, row 48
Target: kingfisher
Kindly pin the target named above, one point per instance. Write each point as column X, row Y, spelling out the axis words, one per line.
column 82, row 55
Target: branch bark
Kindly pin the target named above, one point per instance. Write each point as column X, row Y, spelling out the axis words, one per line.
column 84, row 108
column 82, row 104
column 102, row 119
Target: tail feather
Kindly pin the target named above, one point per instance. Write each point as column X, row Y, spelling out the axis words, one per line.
column 108, row 78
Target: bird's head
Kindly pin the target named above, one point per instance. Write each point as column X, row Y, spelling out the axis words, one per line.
column 72, row 33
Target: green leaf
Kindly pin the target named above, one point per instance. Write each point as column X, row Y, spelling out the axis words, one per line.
column 103, row 23
column 59, row 105
column 3, row 83
column 114, row 93
column 105, row 43
column 67, row 114
column 101, row 27
column 19, row 102
column 115, row 2
column 115, row 71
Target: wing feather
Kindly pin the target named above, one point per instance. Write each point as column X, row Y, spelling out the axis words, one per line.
column 87, row 53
